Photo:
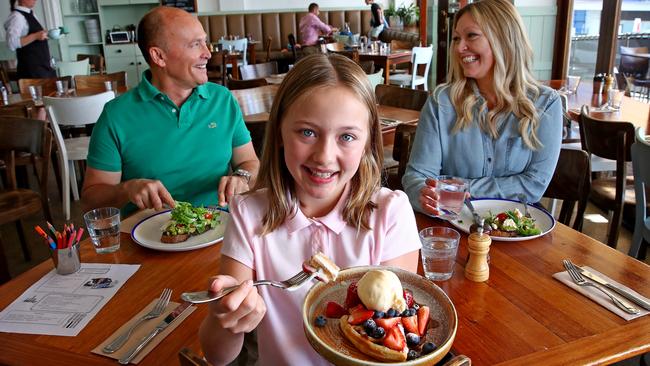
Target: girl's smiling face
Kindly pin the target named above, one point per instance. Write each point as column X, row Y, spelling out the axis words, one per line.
column 324, row 135
column 473, row 50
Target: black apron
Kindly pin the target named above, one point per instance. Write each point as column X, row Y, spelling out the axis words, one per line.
column 34, row 58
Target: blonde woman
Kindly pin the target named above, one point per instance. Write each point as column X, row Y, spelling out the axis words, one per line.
column 318, row 190
column 492, row 124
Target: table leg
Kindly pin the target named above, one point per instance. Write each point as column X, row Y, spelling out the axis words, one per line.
column 234, row 68
column 253, row 58
column 387, row 72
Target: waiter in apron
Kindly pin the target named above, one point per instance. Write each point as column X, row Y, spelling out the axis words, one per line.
column 26, row 36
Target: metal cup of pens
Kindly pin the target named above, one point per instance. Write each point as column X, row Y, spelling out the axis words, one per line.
column 66, row 260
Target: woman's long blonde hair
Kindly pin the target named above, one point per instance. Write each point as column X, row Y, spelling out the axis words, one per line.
column 514, row 85
column 310, row 73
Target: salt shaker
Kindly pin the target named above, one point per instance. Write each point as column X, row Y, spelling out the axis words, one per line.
column 599, row 80
column 478, row 245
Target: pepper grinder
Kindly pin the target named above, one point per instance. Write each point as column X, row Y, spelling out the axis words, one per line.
column 478, row 245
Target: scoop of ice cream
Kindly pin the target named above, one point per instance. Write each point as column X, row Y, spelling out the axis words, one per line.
column 381, row 290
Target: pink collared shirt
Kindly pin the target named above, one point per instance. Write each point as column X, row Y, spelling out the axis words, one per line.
column 279, row 255
column 311, row 27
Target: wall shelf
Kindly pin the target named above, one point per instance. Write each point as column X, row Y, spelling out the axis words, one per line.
column 80, row 15
column 85, row 44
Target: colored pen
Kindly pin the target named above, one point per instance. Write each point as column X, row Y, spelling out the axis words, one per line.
column 71, row 240
column 79, row 233
column 52, row 230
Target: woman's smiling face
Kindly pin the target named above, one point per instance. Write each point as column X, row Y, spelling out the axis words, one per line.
column 473, row 50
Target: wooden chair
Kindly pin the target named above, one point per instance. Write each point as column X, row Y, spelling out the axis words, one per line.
column 96, row 61
column 187, row 357
column 336, row 47
column 641, row 167
column 257, row 130
column 217, row 68
column 21, row 135
column 95, row 83
column 234, row 84
column 48, row 84
column 267, row 48
column 257, row 71
column 610, row 140
column 635, row 71
column 571, row 183
column 19, row 109
column 297, row 54
column 395, row 96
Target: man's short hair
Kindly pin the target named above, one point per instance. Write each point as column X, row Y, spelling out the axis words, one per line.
column 149, row 29
column 312, row 7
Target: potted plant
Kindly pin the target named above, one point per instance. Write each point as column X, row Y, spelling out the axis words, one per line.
column 391, row 15
column 409, row 15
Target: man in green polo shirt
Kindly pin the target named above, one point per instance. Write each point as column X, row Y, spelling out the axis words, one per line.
column 175, row 136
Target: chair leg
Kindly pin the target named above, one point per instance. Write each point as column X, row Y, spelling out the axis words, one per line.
column 57, row 173
column 73, row 180
column 614, row 226
column 23, row 242
column 65, row 185
column 4, row 266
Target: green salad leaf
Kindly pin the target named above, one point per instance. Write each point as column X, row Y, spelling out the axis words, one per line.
column 187, row 219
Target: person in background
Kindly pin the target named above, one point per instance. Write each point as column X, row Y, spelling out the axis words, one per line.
column 311, row 28
column 377, row 22
column 175, row 135
column 26, row 36
column 318, row 191
column 492, row 124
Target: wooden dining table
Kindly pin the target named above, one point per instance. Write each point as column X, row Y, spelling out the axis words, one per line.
column 519, row 316
column 386, row 59
column 255, row 104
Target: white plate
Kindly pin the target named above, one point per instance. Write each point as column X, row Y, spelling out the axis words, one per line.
column 148, row 232
column 544, row 221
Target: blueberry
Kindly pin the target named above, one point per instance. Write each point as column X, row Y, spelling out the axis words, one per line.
column 406, row 312
column 412, row 311
column 416, row 307
column 428, row 348
column 369, row 325
column 320, row 321
column 379, row 332
column 412, row 339
column 412, row 355
column 391, row 313
column 379, row 315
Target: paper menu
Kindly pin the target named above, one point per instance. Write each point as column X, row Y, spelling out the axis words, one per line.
column 63, row 305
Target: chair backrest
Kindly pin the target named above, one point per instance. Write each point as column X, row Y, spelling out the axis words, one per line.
column 72, row 68
column 395, row 96
column 27, row 136
column 641, row 168
column 402, row 145
column 421, row 56
column 376, row 78
column 240, row 45
column 234, row 84
column 631, row 65
column 78, row 111
column 48, row 84
column 257, row 130
column 571, row 183
column 257, row 71
column 96, row 62
column 607, row 139
column 292, row 44
column 23, row 109
column 216, row 65
column 335, row 47
column 96, row 82
column 267, row 48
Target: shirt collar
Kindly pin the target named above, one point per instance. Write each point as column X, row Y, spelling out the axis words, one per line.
column 22, row 8
column 148, row 92
column 333, row 220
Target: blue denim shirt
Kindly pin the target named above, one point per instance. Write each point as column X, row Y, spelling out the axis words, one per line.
column 495, row 168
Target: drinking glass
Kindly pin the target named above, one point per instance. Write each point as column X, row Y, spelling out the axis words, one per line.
column 62, row 88
column 36, row 92
column 104, row 228
column 615, row 98
column 572, row 84
column 451, row 193
column 439, row 248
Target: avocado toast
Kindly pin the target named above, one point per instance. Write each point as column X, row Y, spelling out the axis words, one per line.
column 186, row 221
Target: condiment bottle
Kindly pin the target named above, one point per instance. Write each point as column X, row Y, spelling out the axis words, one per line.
column 599, row 80
column 478, row 245
column 609, row 83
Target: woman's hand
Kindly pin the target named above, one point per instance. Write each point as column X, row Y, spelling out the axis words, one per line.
column 429, row 197
column 241, row 310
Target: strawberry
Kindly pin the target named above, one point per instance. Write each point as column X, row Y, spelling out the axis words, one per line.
column 408, row 297
column 359, row 315
column 334, row 310
column 352, row 298
column 423, row 319
column 388, row 322
column 394, row 339
column 410, row 324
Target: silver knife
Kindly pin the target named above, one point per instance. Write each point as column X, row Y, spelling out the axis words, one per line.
column 619, row 290
column 159, row 328
column 475, row 216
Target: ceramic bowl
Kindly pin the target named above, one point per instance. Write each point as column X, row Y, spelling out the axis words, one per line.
column 330, row 343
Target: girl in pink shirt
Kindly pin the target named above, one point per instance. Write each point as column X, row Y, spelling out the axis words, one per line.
column 318, row 190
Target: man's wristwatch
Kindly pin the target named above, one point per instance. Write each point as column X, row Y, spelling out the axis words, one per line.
column 242, row 173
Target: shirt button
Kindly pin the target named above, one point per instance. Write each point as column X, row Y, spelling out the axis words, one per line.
column 173, row 110
column 489, row 160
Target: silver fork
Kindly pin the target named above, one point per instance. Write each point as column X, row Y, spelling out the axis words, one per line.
column 524, row 201
column 291, row 284
column 579, row 280
column 155, row 312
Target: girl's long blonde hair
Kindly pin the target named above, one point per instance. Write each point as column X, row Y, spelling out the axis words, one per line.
column 514, row 85
column 310, row 73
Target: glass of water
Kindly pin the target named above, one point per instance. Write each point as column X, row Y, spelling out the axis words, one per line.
column 439, row 248
column 104, row 228
column 451, row 193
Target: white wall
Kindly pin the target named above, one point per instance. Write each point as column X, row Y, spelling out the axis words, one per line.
column 211, row 6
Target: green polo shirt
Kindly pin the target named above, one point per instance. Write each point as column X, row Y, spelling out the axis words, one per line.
column 143, row 134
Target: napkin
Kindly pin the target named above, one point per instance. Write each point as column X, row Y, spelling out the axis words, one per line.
column 597, row 296
column 142, row 330
column 127, row 224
